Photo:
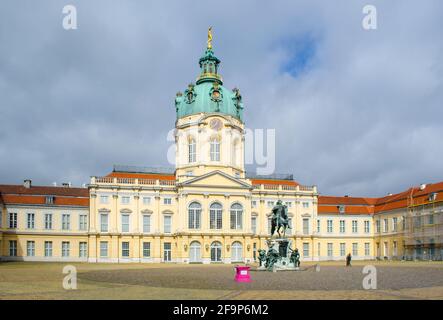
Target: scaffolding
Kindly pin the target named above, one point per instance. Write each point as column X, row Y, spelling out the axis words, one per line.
column 423, row 236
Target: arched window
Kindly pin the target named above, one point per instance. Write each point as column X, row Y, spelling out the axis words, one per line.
column 216, row 250
column 192, row 152
column 195, row 252
column 237, row 252
column 236, row 216
column 215, row 149
column 194, row 215
column 215, row 216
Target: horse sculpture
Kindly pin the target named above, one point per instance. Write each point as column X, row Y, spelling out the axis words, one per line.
column 279, row 219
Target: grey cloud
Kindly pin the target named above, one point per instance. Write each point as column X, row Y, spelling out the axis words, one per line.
column 364, row 118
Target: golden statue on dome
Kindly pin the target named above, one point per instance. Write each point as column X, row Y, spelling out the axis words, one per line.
column 210, row 38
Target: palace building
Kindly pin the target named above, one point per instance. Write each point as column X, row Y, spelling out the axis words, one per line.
column 208, row 209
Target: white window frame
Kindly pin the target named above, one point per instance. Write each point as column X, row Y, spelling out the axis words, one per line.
column 66, row 221
column 30, row 220
column 48, row 221
column 167, row 227
column 146, row 249
column 104, row 222
column 342, row 226
column 30, row 248
column 126, row 249
column 66, row 248
column 12, row 220
column 146, row 220
column 104, row 249
column 83, row 249
column 125, row 222
column 330, row 225
column 354, row 226
column 48, row 248
column 83, row 222
column 214, row 149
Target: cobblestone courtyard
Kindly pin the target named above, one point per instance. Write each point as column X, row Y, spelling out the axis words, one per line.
column 395, row 280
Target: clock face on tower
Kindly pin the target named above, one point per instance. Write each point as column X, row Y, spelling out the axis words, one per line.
column 215, row 124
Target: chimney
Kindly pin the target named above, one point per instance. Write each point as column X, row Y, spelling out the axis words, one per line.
column 422, row 186
column 66, row 184
column 27, row 183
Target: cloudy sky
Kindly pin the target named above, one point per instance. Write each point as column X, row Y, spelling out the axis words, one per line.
column 356, row 111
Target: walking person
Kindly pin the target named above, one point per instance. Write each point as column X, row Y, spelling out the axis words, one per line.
column 348, row 260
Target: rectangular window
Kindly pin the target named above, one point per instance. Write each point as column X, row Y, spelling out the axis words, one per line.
column 30, row 248
column 385, row 224
column 125, row 249
column 31, row 221
column 104, row 222
column 329, row 222
column 65, row 248
column 355, row 249
column 254, row 225
column 125, row 222
column 394, row 224
column 146, row 223
column 366, row 226
column 167, row 252
column 377, row 226
column 403, row 221
column 125, row 199
column 12, row 220
column 146, row 201
column 50, row 200
column 48, row 248
column 342, row 249
column 104, row 199
column 146, row 249
column 318, row 226
column 83, row 222
column 167, row 201
column 103, row 249
column 431, row 219
column 288, row 204
column 289, row 229
column 83, row 250
column 66, row 221
column 167, row 221
column 305, row 249
column 305, row 205
column 354, row 226
column 305, row 225
column 254, row 204
column 367, row 252
column 215, row 150
column 330, row 252
column 270, row 204
column 48, row 221
column 13, row 248
column 192, row 152
column 342, row 226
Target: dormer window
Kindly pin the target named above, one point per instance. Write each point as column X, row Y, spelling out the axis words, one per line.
column 49, row 200
column 432, row 196
column 341, row 209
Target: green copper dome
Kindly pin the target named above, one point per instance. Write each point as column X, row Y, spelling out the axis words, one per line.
column 208, row 94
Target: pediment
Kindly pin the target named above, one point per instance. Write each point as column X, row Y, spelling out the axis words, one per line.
column 216, row 179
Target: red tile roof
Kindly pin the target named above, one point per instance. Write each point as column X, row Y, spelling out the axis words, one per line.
column 356, row 205
column 63, row 196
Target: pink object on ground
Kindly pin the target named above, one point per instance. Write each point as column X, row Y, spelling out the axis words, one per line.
column 242, row 274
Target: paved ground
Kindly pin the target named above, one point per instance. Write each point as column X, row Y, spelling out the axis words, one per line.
column 396, row 280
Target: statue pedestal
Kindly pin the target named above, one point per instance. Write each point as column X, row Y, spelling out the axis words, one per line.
column 281, row 248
